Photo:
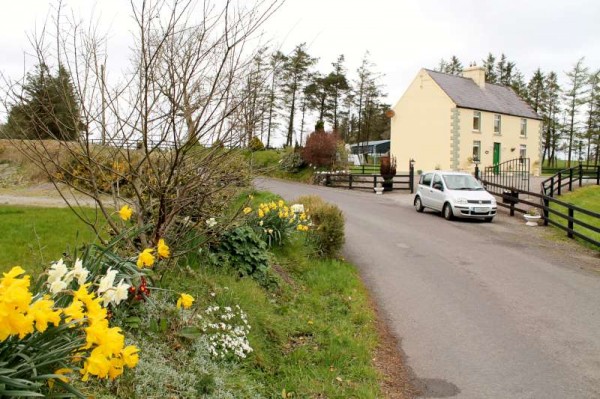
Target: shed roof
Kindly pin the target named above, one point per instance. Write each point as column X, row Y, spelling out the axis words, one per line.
column 493, row 98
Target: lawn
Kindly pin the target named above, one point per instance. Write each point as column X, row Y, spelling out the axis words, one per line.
column 586, row 198
column 33, row 237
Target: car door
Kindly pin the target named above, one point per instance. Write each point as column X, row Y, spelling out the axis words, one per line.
column 436, row 193
column 425, row 189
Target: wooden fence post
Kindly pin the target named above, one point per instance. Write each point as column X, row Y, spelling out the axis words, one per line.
column 559, row 183
column 570, row 223
column 580, row 174
column 546, row 211
column 350, row 181
column 552, row 186
column 570, row 179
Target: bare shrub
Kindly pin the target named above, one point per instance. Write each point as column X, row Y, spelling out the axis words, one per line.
column 148, row 138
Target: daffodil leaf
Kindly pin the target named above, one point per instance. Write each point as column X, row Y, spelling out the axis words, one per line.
column 190, row 332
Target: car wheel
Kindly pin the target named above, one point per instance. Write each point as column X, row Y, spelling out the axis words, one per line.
column 447, row 212
column 418, row 204
column 489, row 220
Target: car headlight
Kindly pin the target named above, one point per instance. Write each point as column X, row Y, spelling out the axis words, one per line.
column 493, row 202
column 461, row 201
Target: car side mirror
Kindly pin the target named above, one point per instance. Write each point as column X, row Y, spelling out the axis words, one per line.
column 438, row 186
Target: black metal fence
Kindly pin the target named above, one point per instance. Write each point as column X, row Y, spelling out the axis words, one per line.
column 564, row 179
column 512, row 173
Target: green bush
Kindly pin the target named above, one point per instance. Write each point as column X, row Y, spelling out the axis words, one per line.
column 327, row 232
column 244, row 250
column 255, row 144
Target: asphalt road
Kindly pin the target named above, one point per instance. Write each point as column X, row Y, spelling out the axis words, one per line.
column 481, row 310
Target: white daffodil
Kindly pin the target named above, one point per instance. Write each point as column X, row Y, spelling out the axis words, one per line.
column 121, row 292
column 57, row 286
column 107, row 281
column 78, row 272
column 297, row 208
column 57, row 271
column 211, row 222
column 108, row 296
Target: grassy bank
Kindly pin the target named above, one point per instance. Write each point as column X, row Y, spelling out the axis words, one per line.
column 586, row 198
column 312, row 333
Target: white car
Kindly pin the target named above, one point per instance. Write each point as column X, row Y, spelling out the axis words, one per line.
column 454, row 194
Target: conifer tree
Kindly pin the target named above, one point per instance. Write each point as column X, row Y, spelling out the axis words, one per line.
column 574, row 98
column 47, row 108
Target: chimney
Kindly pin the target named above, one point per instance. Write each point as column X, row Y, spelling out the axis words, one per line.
column 476, row 73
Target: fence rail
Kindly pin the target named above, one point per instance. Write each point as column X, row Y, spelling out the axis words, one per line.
column 402, row 181
column 565, row 178
column 510, row 196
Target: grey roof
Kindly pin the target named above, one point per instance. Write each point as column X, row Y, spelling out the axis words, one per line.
column 493, row 98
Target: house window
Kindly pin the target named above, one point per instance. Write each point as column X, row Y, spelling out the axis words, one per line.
column 497, row 123
column 476, row 121
column 523, row 151
column 523, row 127
column 476, row 150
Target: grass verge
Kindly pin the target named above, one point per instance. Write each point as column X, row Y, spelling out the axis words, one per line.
column 586, row 198
column 313, row 333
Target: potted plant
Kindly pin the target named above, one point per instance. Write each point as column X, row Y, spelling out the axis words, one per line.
column 532, row 217
column 387, row 168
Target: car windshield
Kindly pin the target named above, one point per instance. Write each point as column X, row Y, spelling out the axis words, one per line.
column 462, row 182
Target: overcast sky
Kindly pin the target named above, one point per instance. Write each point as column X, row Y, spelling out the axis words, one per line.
column 401, row 36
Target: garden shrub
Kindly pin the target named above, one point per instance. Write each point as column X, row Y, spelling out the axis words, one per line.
column 244, row 250
column 327, row 232
column 320, row 149
column 255, row 144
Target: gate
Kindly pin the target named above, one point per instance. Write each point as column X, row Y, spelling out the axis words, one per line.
column 512, row 173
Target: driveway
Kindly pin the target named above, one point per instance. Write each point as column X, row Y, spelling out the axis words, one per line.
column 481, row 310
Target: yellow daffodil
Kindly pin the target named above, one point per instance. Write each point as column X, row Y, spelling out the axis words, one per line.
column 280, row 203
column 247, row 210
column 163, row 249
column 125, row 212
column 60, row 372
column 146, row 259
column 130, row 356
column 74, row 311
column 185, row 300
column 261, row 214
column 43, row 313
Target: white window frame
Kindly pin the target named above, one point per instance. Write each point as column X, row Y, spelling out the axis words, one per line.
column 497, row 124
column 523, row 127
column 523, row 151
column 477, row 154
column 477, row 116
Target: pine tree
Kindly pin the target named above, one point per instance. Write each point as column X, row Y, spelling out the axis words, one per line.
column 338, row 86
column 454, row 67
column 536, row 91
column 48, row 108
column 276, row 65
column 552, row 111
column 574, row 98
column 592, row 132
column 295, row 73
column 490, row 65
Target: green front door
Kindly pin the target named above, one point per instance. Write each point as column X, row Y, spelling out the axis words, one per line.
column 496, row 157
